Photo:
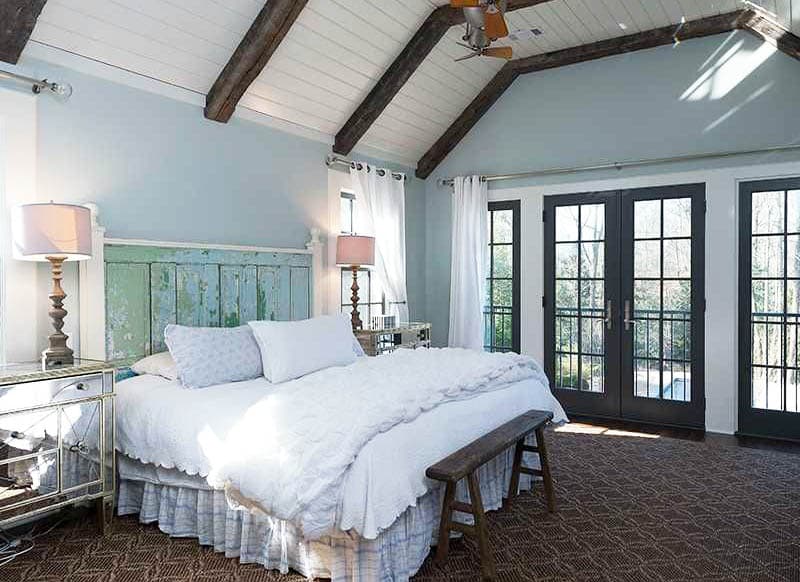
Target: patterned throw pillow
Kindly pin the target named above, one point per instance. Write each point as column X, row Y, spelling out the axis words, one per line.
column 205, row 356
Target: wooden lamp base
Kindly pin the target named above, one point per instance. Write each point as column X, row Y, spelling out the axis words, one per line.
column 58, row 353
column 355, row 318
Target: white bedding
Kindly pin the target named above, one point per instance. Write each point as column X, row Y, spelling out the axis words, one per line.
column 296, row 465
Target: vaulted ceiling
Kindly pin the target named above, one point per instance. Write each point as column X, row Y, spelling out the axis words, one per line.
column 329, row 55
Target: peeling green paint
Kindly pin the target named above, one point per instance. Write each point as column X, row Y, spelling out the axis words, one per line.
column 150, row 287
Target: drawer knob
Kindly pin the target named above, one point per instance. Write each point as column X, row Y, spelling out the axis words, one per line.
column 80, row 386
column 15, row 434
column 79, row 447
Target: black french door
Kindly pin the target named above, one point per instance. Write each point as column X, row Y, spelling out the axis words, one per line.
column 769, row 308
column 582, row 275
column 624, row 303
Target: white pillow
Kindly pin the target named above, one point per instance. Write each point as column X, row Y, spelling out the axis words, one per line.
column 290, row 349
column 158, row 365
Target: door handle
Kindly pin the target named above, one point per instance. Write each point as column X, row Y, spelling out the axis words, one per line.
column 607, row 318
column 629, row 323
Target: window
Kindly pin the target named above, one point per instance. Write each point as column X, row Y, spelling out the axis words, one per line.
column 769, row 303
column 347, row 200
column 501, row 314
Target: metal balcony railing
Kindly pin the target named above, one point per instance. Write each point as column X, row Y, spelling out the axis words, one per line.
column 497, row 326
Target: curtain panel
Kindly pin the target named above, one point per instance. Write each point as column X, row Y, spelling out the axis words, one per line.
column 380, row 212
column 470, row 240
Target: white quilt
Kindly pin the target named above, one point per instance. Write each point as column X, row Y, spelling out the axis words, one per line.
column 288, row 449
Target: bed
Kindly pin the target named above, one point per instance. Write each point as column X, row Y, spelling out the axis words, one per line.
column 376, row 516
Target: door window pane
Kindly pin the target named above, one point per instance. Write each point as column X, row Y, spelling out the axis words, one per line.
column 647, row 296
column 592, row 298
column 501, row 293
column 768, row 212
column 678, row 258
column 580, row 297
column 501, row 314
column 592, row 260
column 768, row 256
column 793, row 255
column 662, row 298
column 501, row 261
column 647, row 219
column 567, row 223
column 775, row 299
column 678, row 217
column 677, row 297
column 566, row 260
column 593, row 222
column 502, row 226
column 567, row 295
column 646, row 258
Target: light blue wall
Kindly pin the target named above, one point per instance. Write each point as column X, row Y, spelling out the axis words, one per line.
column 159, row 170
column 700, row 96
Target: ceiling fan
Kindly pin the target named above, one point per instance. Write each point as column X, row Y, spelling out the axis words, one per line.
column 485, row 23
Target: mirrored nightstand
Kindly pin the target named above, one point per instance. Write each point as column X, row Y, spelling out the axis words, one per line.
column 406, row 335
column 56, row 439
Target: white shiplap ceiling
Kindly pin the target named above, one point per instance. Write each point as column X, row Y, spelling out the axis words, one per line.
column 337, row 50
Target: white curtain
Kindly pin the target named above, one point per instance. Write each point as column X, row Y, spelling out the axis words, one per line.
column 468, row 263
column 380, row 211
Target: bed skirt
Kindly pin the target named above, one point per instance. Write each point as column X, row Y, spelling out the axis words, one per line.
column 253, row 537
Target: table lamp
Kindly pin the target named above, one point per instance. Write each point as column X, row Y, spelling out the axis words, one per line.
column 56, row 233
column 354, row 252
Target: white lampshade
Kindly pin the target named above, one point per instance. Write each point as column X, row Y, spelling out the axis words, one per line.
column 52, row 230
column 355, row 250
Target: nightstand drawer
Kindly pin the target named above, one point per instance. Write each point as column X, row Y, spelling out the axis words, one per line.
column 27, row 395
column 24, row 433
column 26, row 479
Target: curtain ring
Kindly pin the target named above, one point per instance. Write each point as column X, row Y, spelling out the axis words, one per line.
column 381, row 173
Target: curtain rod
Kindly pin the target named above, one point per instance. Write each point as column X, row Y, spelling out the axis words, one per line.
column 628, row 164
column 60, row 89
column 334, row 160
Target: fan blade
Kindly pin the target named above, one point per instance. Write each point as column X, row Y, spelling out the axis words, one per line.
column 464, row 58
column 465, row 3
column 499, row 52
column 494, row 23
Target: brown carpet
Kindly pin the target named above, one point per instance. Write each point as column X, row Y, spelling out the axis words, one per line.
column 630, row 509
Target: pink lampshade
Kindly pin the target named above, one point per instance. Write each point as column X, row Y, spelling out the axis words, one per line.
column 52, row 230
column 355, row 250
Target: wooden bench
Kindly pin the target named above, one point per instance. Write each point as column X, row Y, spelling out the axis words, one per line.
column 465, row 463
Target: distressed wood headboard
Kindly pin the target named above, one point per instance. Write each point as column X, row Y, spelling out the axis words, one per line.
column 131, row 289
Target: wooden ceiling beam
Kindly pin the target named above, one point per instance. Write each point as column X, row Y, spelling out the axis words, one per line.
column 17, row 19
column 468, row 118
column 410, row 58
column 251, row 56
column 598, row 50
column 770, row 32
column 629, row 43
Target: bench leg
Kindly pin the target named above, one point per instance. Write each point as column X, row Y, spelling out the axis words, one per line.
column 513, row 488
column 443, row 546
column 481, row 529
column 546, row 475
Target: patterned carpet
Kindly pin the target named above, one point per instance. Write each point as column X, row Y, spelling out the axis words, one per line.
column 631, row 508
